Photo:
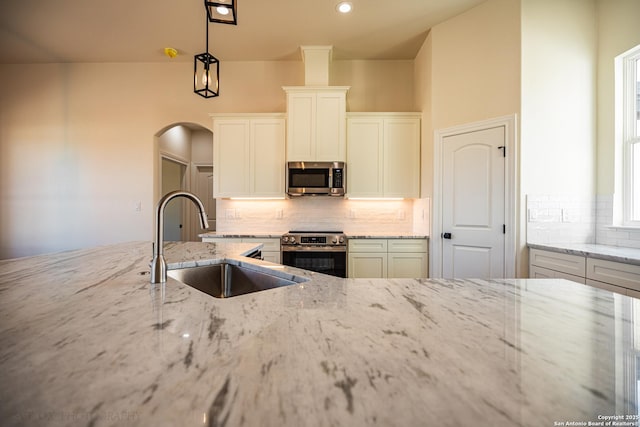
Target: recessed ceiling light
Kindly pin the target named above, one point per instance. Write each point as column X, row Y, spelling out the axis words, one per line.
column 344, row 7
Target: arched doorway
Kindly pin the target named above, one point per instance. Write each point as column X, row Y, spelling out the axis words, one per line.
column 184, row 159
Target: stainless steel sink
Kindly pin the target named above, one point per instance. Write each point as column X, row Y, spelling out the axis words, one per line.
column 229, row 280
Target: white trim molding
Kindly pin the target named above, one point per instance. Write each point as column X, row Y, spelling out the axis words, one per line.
column 511, row 190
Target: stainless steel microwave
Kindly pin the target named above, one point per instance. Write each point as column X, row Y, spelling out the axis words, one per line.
column 315, row 178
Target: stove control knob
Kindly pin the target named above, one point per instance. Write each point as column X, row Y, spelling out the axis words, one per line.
column 285, row 239
column 341, row 239
column 292, row 239
column 334, row 241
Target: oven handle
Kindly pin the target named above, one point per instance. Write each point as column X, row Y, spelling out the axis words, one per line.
column 313, row 248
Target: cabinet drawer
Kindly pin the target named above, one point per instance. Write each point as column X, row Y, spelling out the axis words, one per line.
column 222, row 239
column 270, row 244
column 607, row 287
column 407, row 245
column 614, row 273
column 536, row 272
column 569, row 264
column 368, row 245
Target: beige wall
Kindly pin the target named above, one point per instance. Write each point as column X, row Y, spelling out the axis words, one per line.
column 618, row 31
column 476, row 64
column 423, row 100
column 78, row 145
column 558, row 126
column 559, row 46
column 376, row 85
column 468, row 70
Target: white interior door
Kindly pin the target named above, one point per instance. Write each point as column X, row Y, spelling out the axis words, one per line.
column 204, row 190
column 473, row 204
column 172, row 180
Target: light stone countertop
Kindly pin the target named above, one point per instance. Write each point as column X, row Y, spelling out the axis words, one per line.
column 250, row 234
column 609, row 253
column 374, row 235
column 350, row 235
column 86, row 340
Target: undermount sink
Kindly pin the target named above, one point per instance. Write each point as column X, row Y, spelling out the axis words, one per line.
column 229, row 280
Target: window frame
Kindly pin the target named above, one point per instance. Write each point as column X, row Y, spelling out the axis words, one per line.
column 629, row 64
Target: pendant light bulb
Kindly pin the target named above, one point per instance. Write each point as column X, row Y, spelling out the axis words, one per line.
column 222, row 10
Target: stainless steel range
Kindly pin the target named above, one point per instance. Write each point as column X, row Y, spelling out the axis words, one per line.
column 320, row 251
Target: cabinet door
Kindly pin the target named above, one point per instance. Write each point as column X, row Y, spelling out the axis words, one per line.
column 367, row 265
column 231, row 157
column 364, row 157
column 402, row 157
column 407, row 265
column 330, row 126
column 301, row 112
column 267, row 158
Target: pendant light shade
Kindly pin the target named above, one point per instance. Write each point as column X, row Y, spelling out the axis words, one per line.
column 222, row 11
column 206, row 75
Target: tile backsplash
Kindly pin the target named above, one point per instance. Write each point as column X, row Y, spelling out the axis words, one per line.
column 574, row 219
column 323, row 213
column 560, row 219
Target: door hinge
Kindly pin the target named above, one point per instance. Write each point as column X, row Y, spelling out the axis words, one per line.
column 504, row 150
column 504, row 229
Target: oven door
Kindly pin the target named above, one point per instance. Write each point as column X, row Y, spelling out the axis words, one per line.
column 330, row 261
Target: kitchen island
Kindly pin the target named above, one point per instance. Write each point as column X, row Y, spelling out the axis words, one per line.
column 85, row 339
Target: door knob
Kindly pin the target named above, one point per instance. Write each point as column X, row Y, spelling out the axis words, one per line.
column 446, row 235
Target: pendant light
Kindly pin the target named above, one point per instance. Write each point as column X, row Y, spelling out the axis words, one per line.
column 206, row 72
column 222, row 11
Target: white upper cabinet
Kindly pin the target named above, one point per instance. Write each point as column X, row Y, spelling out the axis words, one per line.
column 316, row 123
column 383, row 155
column 248, row 155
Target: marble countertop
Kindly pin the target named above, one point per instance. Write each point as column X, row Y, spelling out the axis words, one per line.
column 350, row 235
column 609, row 253
column 251, row 234
column 85, row 339
column 386, row 236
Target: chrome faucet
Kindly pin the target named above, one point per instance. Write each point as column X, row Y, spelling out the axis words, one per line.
column 158, row 264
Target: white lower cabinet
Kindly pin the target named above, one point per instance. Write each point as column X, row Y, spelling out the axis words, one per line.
column 270, row 248
column 365, row 264
column 388, row 258
column 609, row 275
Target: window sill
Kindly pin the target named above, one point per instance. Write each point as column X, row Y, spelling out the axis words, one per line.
column 623, row 227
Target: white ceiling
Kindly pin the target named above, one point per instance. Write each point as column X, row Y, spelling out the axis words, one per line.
column 139, row 30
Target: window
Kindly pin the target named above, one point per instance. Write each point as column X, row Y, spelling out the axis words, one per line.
column 630, row 121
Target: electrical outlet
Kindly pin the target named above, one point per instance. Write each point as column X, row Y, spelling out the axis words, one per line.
column 400, row 215
column 352, row 213
column 230, row 213
column 278, row 213
column 238, row 215
column 137, row 206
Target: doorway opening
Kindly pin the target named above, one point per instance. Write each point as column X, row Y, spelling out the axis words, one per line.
column 184, row 159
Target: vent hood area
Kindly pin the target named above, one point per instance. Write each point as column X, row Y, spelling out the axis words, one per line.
column 317, row 60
